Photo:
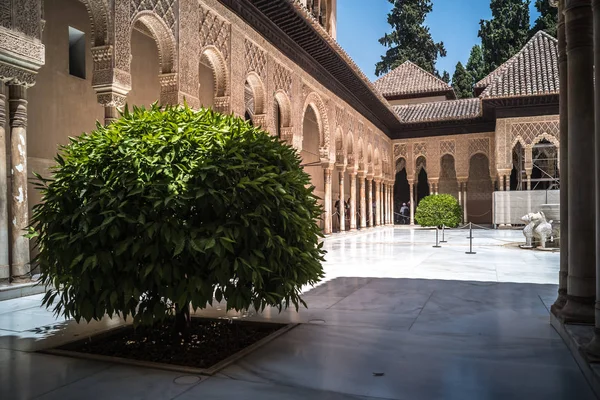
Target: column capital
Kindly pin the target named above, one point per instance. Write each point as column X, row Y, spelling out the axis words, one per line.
column 327, row 165
column 351, row 171
column 362, row 174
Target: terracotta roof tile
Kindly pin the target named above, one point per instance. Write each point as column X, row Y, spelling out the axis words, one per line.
column 439, row 111
column 410, row 79
column 533, row 71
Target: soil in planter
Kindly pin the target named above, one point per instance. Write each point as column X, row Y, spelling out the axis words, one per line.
column 210, row 341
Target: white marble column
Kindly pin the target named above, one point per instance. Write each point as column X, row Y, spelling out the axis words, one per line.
column 363, row 200
column 19, row 249
column 370, row 221
column 466, row 217
column 352, row 176
column 412, row 203
column 342, row 201
column 377, row 203
column 581, row 287
column 328, row 205
column 388, row 220
column 4, row 246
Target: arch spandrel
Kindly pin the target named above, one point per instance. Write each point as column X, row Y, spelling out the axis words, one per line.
column 316, row 102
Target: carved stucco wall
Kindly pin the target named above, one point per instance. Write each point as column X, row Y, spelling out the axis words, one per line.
column 184, row 31
column 528, row 131
column 461, row 147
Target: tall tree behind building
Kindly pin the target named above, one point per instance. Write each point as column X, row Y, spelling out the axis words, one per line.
column 548, row 19
column 506, row 33
column 410, row 39
column 462, row 82
column 476, row 65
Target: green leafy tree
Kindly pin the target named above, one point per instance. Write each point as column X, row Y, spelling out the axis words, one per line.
column 548, row 19
column 476, row 65
column 438, row 210
column 164, row 209
column 445, row 77
column 462, row 82
column 506, row 33
column 410, row 39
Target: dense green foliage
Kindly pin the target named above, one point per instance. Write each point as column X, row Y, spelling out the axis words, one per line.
column 547, row 20
column 445, row 77
column 410, row 39
column 505, row 33
column 167, row 208
column 438, row 210
column 476, row 65
column 462, row 82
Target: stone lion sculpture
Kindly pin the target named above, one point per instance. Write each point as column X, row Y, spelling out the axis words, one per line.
column 538, row 230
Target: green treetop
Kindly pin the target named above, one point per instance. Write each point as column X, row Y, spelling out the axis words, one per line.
column 410, row 39
column 506, row 33
column 547, row 20
column 476, row 65
column 462, row 82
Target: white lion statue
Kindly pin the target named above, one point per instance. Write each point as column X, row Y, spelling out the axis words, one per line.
column 538, row 230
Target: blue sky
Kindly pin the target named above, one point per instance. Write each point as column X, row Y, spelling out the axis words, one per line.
column 455, row 22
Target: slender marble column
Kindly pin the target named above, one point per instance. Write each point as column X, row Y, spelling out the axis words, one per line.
column 529, row 181
column 412, row 203
column 507, row 183
column 563, row 158
column 466, row 216
column 594, row 346
column 352, row 201
column 370, row 205
column 389, row 203
column 328, row 213
column 363, row 209
column 19, row 249
column 460, row 194
column 342, row 201
column 581, row 288
column 4, row 246
column 377, row 203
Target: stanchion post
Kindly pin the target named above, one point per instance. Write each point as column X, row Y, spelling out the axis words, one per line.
column 443, row 234
column 470, row 239
column 437, row 243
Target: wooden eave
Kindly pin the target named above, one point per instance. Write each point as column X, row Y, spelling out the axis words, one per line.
column 281, row 24
column 450, row 95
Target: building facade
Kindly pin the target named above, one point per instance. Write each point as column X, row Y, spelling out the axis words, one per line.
column 504, row 139
column 65, row 64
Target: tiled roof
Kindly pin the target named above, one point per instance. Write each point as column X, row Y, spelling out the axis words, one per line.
column 439, row 111
column 533, row 71
column 410, row 79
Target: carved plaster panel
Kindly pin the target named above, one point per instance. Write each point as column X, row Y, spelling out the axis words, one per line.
column 420, row 149
column 215, row 31
column 5, row 14
column 163, row 8
column 16, row 76
column 282, row 79
column 447, row 147
column 256, row 60
column 26, row 49
column 479, row 145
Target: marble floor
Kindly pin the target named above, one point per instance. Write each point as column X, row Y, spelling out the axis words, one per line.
column 395, row 318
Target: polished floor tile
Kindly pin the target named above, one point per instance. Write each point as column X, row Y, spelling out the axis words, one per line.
column 394, row 318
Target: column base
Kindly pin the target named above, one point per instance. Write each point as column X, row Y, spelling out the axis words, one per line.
column 592, row 350
column 559, row 304
column 578, row 310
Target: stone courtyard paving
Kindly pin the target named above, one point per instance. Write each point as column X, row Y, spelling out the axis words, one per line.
column 394, row 319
